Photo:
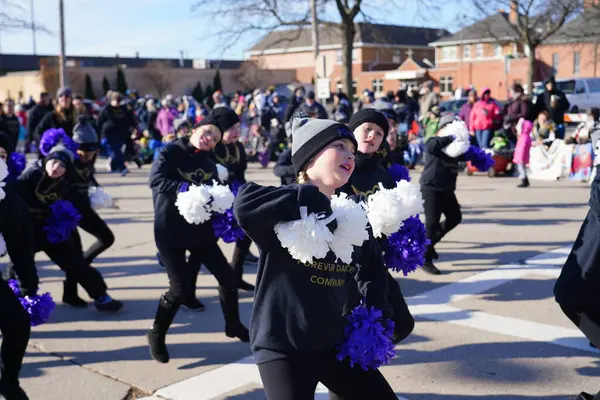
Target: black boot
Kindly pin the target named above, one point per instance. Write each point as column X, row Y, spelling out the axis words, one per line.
column 229, row 305
column 156, row 336
column 430, row 268
column 70, row 296
column 524, row 183
column 12, row 391
column 192, row 303
column 237, row 263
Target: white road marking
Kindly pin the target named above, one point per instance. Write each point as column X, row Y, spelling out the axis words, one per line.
column 432, row 305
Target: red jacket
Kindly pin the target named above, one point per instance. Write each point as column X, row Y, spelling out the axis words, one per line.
column 484, row 115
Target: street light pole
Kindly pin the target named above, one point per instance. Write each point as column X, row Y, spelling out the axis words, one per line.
column 315, row 35
column 61, row 57
column 33, row 29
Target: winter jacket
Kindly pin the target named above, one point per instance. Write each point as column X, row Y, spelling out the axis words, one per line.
column 36, row 114
column 316, row 110
column 298, row 306
column 523, row 146
column 465, row 113
column 116, row 122
column 484, row 115
column 284, row 169
column 557, row 113
column 514, row 111
column 64, row 119
column 165, row 120
column 427, row 101
column 11, row 126
column 80, row 180
column 441, row 170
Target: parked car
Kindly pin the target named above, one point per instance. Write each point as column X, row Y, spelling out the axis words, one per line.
column 582, row 93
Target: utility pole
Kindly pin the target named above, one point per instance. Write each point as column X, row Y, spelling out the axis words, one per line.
column 33, row 29
column 315, row 35
column 61, row 57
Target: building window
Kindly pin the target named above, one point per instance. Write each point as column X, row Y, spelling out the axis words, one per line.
column 576, row 63
column 446, row 84
column 338, row 86
column 467, row 51
column 377, row 85
column 449, row 53
column 497, row 50
column 339, row 56
column 555, row 63
column 397, row 58
column 479, row 50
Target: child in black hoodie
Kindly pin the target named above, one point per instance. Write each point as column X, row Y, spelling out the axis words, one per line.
column 370, row 127
column 185, row 162
column 40, row 186
column 231, row 154
column 81, row 180
column 438, row 183
column 16, row 228
column 297, row 317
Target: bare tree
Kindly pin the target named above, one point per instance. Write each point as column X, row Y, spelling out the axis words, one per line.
column 158, row 76
column 8, row 20
column 251, row 74
column 536, row 22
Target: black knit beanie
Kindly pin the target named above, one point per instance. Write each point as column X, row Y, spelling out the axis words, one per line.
column 225, row 117
column 369, row 115
column 6, row 143
column 61, row 153
column 312, row 135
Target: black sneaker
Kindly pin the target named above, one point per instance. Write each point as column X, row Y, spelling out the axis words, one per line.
column 430, row 268
column 251, row 258
column 585, row 396
column 245, row 286
column 194, row 304
column 108, row 305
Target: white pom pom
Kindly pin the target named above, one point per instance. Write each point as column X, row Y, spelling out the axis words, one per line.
column 351, row 227
column 388, row 208
column 192, row 205
column 2, row 246
column 306, row 238
column 100, row 199
column 458, row 129
column 222, row 197
column 457, row 148
column 222, row 173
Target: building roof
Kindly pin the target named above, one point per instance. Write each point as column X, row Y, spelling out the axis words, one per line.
column 494, row 27
column 394, row 35
column 30, row 62
column 585, row 27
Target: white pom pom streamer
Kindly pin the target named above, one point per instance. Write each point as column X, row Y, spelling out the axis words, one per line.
column 222, row 173
column 3, row 175
column 306, row 238
column 2, row 246
column 457, row 148
column 100, row 199
column 193, row 204
column 458, row 129
column 351, row 227
column 222, row 197
column 388, row 208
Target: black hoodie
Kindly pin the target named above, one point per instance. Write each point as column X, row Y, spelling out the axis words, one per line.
column 369, row 171
column 179, row 162
column 81, row 179
column 298, row 307
column 441, row 170
column 232, row 156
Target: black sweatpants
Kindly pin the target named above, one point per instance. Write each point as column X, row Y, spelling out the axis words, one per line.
column 435, row 204
column 587, row 320
column 181, row 271
column 15, row 328
column 296, row 378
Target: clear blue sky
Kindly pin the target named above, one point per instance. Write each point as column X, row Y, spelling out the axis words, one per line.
column 161, row 28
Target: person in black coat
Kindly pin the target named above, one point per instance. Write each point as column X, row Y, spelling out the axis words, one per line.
column 9, row 123
column 80, row 181
column 294, row 104
column 438, row 184
column 16, row 229
column 230, row 153
column 35, row 116
column 188, row 161
column 40, row 186
column 297, row 318
column 63, row 116
column 556, row 103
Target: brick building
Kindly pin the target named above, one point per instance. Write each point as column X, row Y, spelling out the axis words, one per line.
column 377, row 48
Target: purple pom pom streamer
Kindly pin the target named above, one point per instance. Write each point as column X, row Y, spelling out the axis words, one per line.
column 399, row 172
column 235, row 187
column 16, row 164
column 39, row 307
column 226, row 227
column 479, row 159
column 52, row 137
column 62, row 222
column 368, row 339
column 405, row 249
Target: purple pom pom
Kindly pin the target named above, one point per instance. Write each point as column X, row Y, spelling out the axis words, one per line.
column 405, row 249
column 39, row 307
column 479, row 159
column 368, row 339
column 235, row 187
column 52, row 137
column 399, row 172
column 62, row 222
column 226, row 227
column 16, row 164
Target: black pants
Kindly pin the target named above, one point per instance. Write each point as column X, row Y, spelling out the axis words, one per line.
column 15, row 328
column 435, row 204
column 242, row 248
column 182, row 272
column 587, row 320
column 297, row 378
